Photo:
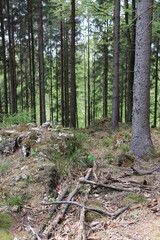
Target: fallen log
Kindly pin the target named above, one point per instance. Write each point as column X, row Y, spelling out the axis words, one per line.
column 60, row 216
column 99, row 184
column 98, row 210
column 52, row 210
column 30, row 229
column 141, row 173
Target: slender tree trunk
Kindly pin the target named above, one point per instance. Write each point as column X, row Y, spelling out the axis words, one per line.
column 115, row 97
column 4, row 60
column 62, row 70
column 12, row 85
column 33, row 67
column 73, row 108
column 41, row 65
column 94, row 89
column 85, row 92
column 51, row 89
column 66, row 78
column 26, row 78
column 21, row 69
column 89, row 117
column 156, row 84
column 141, row 143
column 106, row 78
column 57, row 108
column 131, row 67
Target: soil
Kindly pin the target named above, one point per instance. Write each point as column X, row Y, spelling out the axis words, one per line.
column 99, row 147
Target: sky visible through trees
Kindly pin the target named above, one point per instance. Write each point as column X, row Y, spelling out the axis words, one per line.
column 58, row 63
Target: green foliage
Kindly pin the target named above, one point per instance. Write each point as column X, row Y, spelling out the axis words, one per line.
column 88, row 160
column 5, row 223
column 23, row 117
column 134, row 199
column 34, row 152
column 15, row 200
column 4, row 167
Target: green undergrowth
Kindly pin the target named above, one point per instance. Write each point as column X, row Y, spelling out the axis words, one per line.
column 134, row 199
column 6, row 222
column 4, row 167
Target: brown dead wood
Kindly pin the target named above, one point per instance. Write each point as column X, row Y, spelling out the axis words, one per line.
column 141, row 173
column 101, row 211
column 53, row 209
column 100, row 184
column 60, row 216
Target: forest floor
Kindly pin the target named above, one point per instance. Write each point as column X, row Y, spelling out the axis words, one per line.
column 125, row 188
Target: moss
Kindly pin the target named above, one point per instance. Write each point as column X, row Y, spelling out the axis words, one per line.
column 92, row 216
column 33, row 135
column 134, row 199
column 6, row 222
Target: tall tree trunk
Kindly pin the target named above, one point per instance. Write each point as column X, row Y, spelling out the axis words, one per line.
column 33, row 67
column 73, row 108
column 57, row 108
column 85, row 92
column 21, row 69
column 89, row 117
column 4, row 60
column 41, row 66
column 51, row 89
column 106, row 76
column 26, row 80
column 131, row 66
column 94, row 89
column 66, row 78
column 11, row 70
column 115, row 97
column 141, row 143
column 156, row 84
column 62, row 70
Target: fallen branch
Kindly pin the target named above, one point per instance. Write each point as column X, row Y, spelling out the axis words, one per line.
column 52, row 210
column 33, row 231
column 60, row 216
column 140, row 173
column 114, row 215
column 99, row 184
column 94, row 171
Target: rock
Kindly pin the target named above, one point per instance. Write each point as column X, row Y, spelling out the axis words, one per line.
column 15, row 209
column 50, row 177
column 24, row 167
column 17, row 178
column 24, row 176
column 26, row 150
column 46, row 125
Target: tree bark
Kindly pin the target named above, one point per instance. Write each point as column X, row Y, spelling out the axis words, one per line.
column 41, row 66
column 4, row 60
column 89, row 117
column 156, row 84
column 115, row 97
column 73, row 76
column 141, row 143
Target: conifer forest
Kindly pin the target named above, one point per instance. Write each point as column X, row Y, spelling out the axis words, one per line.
column 79, row 96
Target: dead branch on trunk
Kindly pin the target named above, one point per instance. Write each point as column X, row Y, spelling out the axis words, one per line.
column 99, row 184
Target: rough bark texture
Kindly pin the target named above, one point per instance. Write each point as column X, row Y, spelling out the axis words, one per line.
column 156, row 84
column 115, row 98
column 41, row 66
column 73, row 80
column 141, row 143
column 131, row 67
column 4, row 59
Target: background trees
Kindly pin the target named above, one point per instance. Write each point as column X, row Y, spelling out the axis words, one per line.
column 38, row 68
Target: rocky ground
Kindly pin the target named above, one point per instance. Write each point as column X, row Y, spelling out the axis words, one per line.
column 38, row 164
